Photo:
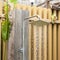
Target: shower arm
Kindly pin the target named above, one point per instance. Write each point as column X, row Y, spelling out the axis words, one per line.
column 32, row 17
column 38, row 19
column 42, row 20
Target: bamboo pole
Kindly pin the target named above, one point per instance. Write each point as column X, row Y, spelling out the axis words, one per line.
column 35, row 42
column 54, row 40
column 34, row 12
column 0, row 39
column 19, row 6
column 1, row 5
column 59, row 36
column 4, row 47
column 30, row 33
column 40, row 34
column 24, row 7
column 4, row 57
column 32, row 42
column 49, row 36
column 44, row 36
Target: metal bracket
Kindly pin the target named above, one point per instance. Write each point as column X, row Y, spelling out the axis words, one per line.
column 20, row 50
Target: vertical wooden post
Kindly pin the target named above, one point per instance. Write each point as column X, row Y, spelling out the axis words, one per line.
column 45, row 35
column 59, row 36
column 49, row 36
column 54, row 40
column 40, row 34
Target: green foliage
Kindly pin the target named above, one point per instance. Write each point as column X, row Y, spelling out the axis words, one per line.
column 6, row 25
column 13, row 1
column 5, row 8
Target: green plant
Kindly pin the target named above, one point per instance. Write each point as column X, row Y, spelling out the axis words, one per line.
column 14, row 2
column 5, row 30
column 6, row 25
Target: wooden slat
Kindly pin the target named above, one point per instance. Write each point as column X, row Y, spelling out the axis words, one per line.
column 49, row 36
column 45, row 35
column 54, row 40
column 40, row 34
column 59, row 36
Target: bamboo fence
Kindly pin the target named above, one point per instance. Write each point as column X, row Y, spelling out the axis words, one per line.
column 49, row 46
column 48, row 35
